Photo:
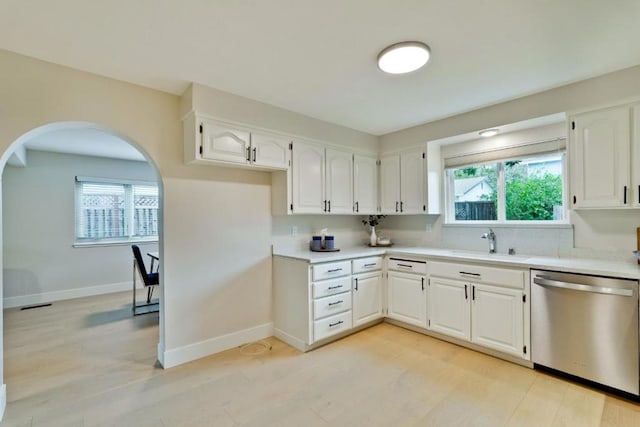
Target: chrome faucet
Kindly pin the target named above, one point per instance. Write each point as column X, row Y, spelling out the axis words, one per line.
column 491, row 237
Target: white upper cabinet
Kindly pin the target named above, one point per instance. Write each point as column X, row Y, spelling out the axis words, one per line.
column 208, row 141
column 270, row 150
column 225, row 143
column 390, row 184
column 308, row 178
column 339, row 181
column 635, row 151
column 403, row 183
column 365, row 185
column 322, row 179
column 413, row 182
column 600, row 152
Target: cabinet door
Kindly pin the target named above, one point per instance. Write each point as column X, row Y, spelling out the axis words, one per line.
column 365, row 185
column 270, row 150
column 407, row 299
column 221, row 142
column 339, row 181
column 413, row 183
column 497, row 319
column 308, row 178
column 367, row 298
column 635, row 150
column 600, row 159
column 390, row 184
column 449, row 308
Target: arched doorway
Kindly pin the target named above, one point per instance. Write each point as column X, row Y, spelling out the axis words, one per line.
column 18, row 145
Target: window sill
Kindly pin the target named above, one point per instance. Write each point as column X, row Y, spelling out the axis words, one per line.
column 105, row 243
column 514, row 224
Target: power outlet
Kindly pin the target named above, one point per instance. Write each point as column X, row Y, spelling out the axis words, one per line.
column 294, row 231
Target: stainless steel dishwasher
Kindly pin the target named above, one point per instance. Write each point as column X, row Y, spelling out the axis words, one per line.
column 586, row 326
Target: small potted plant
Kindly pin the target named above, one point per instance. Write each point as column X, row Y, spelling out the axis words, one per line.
column 372, row 221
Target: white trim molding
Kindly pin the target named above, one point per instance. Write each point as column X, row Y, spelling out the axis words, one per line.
column 3, row 400
column 47, row 297
column 187, row 353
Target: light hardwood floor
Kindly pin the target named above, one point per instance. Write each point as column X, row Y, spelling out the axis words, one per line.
column 87, row 362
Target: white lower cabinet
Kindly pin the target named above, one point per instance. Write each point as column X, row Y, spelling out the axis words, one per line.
column 367, row 297
column 497, row 319
column 491, row 315
column 313, row 302
column 407, row 297
column 333, row 325
column 449, row 308
column 482, row 304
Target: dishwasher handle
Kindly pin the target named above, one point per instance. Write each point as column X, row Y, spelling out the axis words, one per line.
column 546, row 282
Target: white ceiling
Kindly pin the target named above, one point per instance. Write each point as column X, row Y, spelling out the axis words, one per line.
column 86, row 142
column 318, row 57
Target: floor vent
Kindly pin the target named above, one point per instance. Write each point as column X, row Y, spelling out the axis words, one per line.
column 29, row 307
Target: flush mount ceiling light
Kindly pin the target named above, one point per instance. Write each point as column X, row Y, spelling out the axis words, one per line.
column 403, row 57
column 488, row 133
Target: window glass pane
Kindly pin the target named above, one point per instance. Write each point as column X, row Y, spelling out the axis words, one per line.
column 475, row 190
column 533, row 189
column 145, row 210
column 101, row 211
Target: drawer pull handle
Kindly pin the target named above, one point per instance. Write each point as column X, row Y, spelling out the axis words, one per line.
column 334, row 287
column 370, row 265
column 335, row 303
column 405, row 265
column 340, row 322
column 334, row 270
column 464, row 273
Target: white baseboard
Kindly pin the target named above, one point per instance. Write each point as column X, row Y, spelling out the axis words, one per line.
column 290, row 339
column 187, row 353
column 160, row 354
column 3, row 400
column 47, row 297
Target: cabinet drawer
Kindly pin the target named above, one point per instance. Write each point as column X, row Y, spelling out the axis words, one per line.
column 478, row 274
column 363, row 265
column 331, row 269
column 331, row 287
column 329, row 306
column 399, row 264
column 332, row 325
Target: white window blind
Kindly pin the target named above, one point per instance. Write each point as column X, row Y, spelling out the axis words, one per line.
column 474, row 157
column 108, row 210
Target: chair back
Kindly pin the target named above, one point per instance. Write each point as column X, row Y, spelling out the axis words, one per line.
column 141, row 267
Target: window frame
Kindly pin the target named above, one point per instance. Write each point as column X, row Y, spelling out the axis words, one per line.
column 501, row 209
column 129, row 214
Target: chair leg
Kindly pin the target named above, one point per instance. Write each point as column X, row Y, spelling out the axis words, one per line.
column 149, row 293
column 135, row 270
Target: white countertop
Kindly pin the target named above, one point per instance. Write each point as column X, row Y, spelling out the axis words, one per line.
column 623, row 269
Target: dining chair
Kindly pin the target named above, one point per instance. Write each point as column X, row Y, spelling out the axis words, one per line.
column 150, row 280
